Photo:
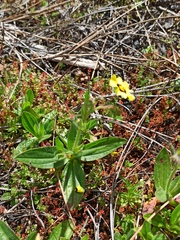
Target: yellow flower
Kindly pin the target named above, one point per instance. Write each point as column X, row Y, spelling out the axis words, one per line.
column 115, row 81
column 121, row 88
column 79, row 189
column 114, row 153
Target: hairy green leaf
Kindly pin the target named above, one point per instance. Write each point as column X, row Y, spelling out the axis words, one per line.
column 39, row 157
column 162, row 173
column 100, row 148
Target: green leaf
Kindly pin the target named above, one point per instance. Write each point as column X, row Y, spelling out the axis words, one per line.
column 41, row 129
column 145, row 230
column 48, row 121
column 39, row 157
column 100, row 148
column 32, row 236
column 6, row 233
column 174, row 187
column 30, row 110
column 59, row 145
column 175, row 219
column 162, row 173
column 157, row 220
column 160, row 236
column 25, row 145
column 73, row 177
column 29, row 97
column 28, row 122
column 91, row 124
column 48, row 126
column 71, row 136
column 161, row 194
column 85, row 237
column 87, row 107
column 64, row 230
column 6, row 196
column 117, row 236
column 44, row 137
column 25, row 105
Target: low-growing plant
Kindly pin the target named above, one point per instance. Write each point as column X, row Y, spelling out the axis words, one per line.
column 36, row 124
column 70, row 152
column 161, row 226
column 126, row 225
column 164, row 223
column 132, row 194
column 167, row 185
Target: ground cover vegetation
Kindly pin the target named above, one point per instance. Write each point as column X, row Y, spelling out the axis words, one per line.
column 89, row 120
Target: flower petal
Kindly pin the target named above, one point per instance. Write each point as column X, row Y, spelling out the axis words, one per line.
column 124, row 86
column 113, row 81
column 120, row 93
column 131, row 97
column 119, row 80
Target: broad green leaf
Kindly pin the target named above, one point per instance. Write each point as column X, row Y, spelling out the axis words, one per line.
column 100, row 148
column 28, row 122
column 174, row 188
column 39, row 157
column 30, row 110
column 6, row 233
column 64, row 230
column 73, row 177
column 175, row 219
column 162, row 173
column 105, row 142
